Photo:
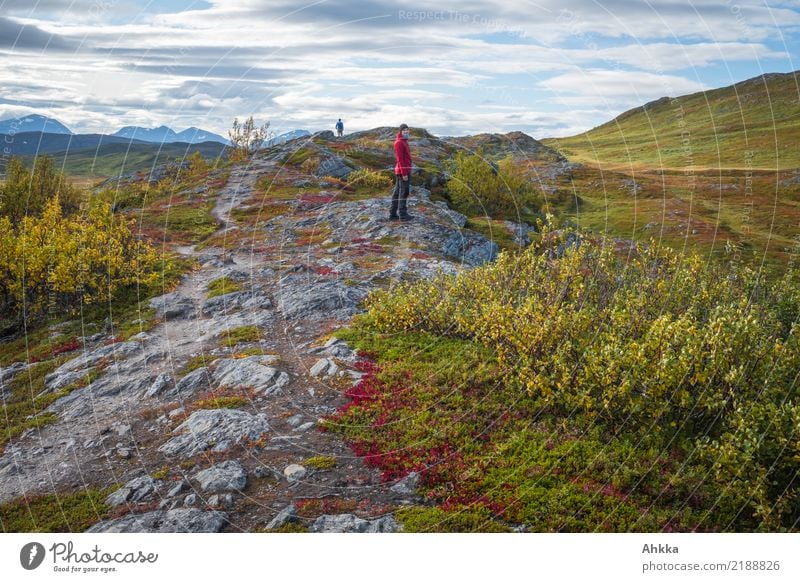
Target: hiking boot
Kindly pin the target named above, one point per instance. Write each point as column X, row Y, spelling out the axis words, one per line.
column 394, row 217
column 406, row 217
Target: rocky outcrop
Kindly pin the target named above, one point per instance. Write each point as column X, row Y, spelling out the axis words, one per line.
column 349, row 523
column 216, row 430
column 222, row 477
column 165, row 521
column 253, row 371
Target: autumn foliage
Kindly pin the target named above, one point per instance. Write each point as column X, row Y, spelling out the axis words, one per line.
column 56, row 263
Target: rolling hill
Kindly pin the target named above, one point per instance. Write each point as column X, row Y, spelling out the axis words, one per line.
column 754, row 124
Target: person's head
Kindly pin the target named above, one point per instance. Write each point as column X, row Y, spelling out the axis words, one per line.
column 340, row 119
column 404, row 131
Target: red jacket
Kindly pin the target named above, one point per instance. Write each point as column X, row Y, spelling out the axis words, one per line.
column 403, row 155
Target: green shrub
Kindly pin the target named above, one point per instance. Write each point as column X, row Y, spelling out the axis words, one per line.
column 689, row 368
column 369, row 179
column 476, row 189
column 57, row 262
column 27, row 192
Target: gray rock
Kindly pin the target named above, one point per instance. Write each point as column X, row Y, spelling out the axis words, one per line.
column 165, row 521
column 225, row 476
column 221, row 500
column 161, row 382
column 133, row 491
column 470, row 250
column 294, row 472
column 323, row 367
column 115, row 351
column 237, row 300
column 285, row 515
column 217, row 430
column 192, row 382
column 172, row 305
column 333, row 166
column 253, row 371
column 349, row 523
column 295, row 421
column 299, row 299
column 407, row 485
column 54, row 382
column 190, row 499
column 178, row 488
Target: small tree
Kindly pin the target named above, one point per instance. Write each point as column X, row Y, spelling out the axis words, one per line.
column 246, row 138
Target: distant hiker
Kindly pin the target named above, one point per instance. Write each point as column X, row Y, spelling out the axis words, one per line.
column 402, row 172
column 340, row 127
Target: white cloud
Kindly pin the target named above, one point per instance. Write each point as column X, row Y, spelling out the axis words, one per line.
column 303, row 63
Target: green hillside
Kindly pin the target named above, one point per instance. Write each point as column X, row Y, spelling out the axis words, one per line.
column 117, row 159
column 754, row 124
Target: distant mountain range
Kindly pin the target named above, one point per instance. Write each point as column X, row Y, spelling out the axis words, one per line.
column 164, row 134
column 33, row 123
column 53, row 133
column 96, row 154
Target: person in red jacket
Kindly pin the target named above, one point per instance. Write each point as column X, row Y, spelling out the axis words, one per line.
column 402, row 172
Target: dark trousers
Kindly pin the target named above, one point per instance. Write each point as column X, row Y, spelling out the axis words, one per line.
column 400, row 196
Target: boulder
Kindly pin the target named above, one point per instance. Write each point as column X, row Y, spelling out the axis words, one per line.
column 285, row 515
column 192, row 382
column 217, row 430
column 407, row 485
column 349, row 523
column 162, row 381
column 183, row 520
column 222, row 477
column 133, row 491
column 295, row 472
column 253, row 371
column 172, row 305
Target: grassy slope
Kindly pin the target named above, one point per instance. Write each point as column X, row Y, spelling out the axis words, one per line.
column 753, row 124
column 117, row 159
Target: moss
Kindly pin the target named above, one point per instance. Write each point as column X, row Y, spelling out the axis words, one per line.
column 222, row 286
column 25, row 406
column 298, row 156
column 71, row 512
column 223, row 402
column 432, row 519
column 291, row 527
column 321, row 462
column 246, row 333
column 161, row 473
column 195, row 363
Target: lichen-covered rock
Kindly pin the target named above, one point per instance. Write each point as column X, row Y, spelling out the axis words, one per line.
column 172, row 305
column 162, row 382
column 349, row 523
column 133, row 491
column 215, row 430
column 183, row 520
column 295, row 472
column 284, row 516
column 222, row 477
column 236, row 300
column 253, row 371
column 194, row 381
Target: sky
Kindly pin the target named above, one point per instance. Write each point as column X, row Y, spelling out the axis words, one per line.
column 549, row 68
